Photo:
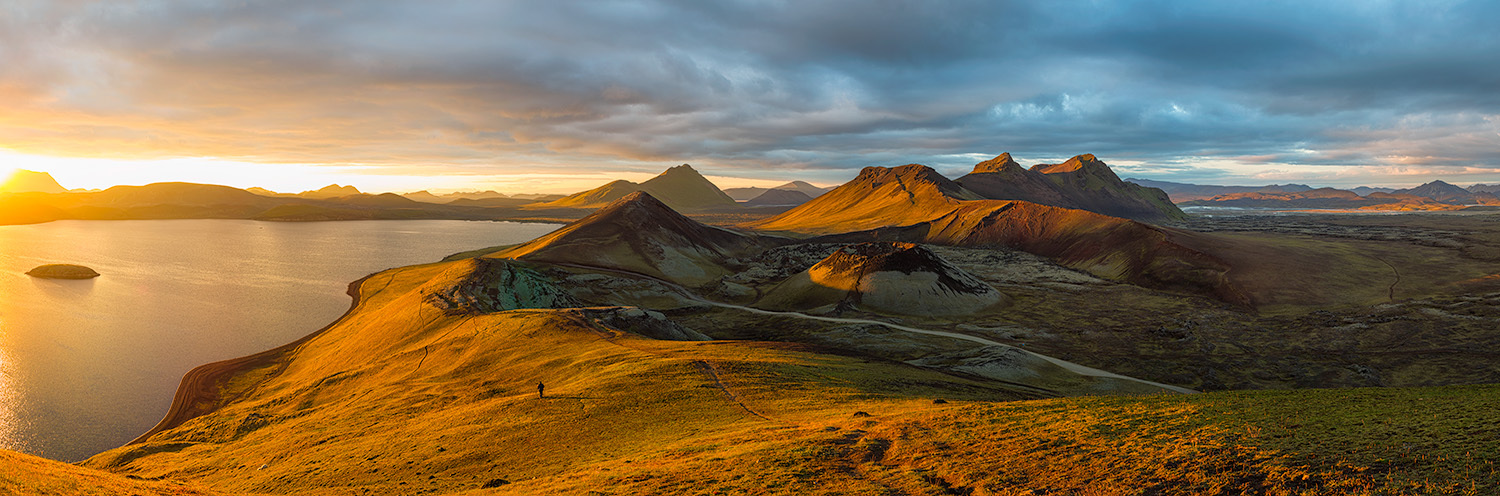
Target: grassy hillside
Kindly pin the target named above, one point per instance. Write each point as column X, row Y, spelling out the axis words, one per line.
column 30, row 475
column 403, row 396
column 1359, row 441
column 1363, row 441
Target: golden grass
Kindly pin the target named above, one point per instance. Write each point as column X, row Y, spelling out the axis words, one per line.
column 1364, row 441
column 29, row 475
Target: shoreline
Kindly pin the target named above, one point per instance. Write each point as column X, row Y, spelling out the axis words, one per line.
column 200, row 385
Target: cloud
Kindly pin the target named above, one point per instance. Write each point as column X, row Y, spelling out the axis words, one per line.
column 754, row 88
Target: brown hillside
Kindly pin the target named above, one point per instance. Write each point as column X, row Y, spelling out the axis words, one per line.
column 596, row 197
column 398, row 397
column 683, row 188
column 878, row 197
column 1083, row 182
column 448, row 403
column 1001, row 178
column 1109, row 247
column 914, row 203
column 638, row 233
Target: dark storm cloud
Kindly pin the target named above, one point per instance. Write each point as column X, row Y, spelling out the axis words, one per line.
column 758, row 86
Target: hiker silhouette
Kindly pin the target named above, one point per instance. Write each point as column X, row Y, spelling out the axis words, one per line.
column 539, row 388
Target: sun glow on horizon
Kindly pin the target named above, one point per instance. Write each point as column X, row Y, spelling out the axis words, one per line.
column 102, row 173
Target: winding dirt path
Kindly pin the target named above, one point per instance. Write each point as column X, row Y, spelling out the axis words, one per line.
column 1070, row 366
column 708, row 368
column 1391, row 291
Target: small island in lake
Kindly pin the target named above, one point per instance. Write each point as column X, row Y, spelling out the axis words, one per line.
column 63, row 271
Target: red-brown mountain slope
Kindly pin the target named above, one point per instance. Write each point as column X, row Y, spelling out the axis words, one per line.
column 639, row 233
column 913, row 203
column 879, row 196
column 1083, row 182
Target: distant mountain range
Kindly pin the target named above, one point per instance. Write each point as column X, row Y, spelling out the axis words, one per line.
column 751, row 193
column 426, row 197
column 329, row 191
column 1083, row 182
column 32, row 197
column 1182, row 192
column 1436, row 195
column 207, row 201
column 779, row 197
column 1433, row 195
column 336, row 191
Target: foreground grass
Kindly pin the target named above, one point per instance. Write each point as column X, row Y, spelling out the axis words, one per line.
column 1362, row 441
column 34, row 476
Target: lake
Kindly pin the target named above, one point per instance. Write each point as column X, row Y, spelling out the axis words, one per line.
column 86, row 366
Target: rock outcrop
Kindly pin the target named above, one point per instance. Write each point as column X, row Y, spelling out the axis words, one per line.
column 484, row 285
column 649, row 323
column 901, row 278
column 63, row 271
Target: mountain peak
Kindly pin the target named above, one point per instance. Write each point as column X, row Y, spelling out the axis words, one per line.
column 1001, row 163
column 683, row 188
column 1082, row 182
column 683, row 169
column 909, row 176
column 25, row 181
column 1442, row 192
column 879, row 196
column 336, row 187
column 330, row 191
column 639, row 200
column 1086, row 164
column 639, row 209
column 644, row 235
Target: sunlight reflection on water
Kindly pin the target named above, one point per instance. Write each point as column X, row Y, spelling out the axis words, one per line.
column 87, row 365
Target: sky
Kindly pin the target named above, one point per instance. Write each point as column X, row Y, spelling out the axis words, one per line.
column 560, row 96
